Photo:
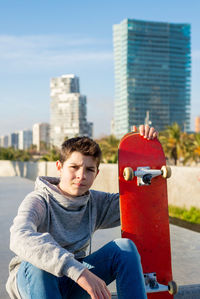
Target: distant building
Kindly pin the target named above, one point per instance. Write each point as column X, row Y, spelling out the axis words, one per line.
column 4, row 141
column 13, row 140
column 25, row 139
column 197, row 124
column 41, row 136
column 152, row 74
column 68, row 117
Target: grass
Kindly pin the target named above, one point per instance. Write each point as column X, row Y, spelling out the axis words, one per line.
column 192, row 215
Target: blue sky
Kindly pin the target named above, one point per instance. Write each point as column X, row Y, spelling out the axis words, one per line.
column 44, row 39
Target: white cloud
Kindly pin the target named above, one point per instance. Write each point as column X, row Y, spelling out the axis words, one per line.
column 47, row 51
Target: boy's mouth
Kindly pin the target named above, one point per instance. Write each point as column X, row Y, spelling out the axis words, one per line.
column 79, row 184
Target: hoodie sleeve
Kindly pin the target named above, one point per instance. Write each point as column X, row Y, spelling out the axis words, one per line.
column 40, row 249
column 107, row 209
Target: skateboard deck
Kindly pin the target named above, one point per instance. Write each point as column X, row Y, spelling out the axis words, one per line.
column 144, row 209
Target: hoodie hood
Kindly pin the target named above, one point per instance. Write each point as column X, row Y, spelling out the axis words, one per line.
column 48, row 185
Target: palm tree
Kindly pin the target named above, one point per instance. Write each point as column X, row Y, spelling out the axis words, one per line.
column 172, row 142
column 187, row 145
column 52, row 155
column 195, row 149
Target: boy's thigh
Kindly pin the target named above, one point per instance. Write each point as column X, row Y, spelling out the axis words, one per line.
column 33, row 282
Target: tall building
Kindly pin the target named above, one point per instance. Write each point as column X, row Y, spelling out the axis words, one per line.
column 41, row 135
column 13, row 140
column 152, row 74
column 25, row 139
column 68, row 110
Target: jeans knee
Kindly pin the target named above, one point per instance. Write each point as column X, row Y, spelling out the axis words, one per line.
column 128, row 247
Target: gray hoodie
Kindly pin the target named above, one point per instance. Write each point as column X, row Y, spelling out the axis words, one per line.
column 52, row 231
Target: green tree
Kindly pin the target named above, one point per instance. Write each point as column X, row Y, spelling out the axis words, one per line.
column 14, row 154
column 109, row 147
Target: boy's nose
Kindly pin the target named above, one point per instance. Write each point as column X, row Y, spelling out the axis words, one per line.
column 81, row 174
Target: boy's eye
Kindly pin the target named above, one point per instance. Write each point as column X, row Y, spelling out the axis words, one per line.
column 91, row 169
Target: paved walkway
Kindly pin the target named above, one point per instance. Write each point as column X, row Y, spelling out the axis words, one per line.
column 185, row 244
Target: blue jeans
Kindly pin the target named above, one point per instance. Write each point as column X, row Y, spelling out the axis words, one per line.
column 119, row 259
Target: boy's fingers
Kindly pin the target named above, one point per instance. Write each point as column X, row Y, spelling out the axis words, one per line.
column 155, row 134
column 151, row 134
column 142, row 130
column 134, row 129
column 146, row 131
column 108, row 293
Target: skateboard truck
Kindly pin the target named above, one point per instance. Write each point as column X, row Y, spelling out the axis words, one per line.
column 145, row 174
column 152, row 285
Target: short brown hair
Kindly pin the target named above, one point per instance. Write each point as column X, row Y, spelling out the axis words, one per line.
column 83, row 145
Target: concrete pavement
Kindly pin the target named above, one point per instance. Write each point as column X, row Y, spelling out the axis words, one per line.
column 185, row 244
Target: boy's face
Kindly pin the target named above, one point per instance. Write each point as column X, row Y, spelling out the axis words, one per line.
column 77, row 174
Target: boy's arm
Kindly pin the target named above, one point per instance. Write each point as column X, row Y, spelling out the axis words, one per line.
column 40, row 249
column 108, row 206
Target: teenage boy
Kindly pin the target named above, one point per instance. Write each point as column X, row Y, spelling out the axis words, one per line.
column 54, row 227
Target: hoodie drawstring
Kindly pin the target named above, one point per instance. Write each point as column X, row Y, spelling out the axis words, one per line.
column 90, row 222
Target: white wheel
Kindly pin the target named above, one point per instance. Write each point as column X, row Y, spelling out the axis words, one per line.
column 128, row 174
column 172, row 287
column 166, row 171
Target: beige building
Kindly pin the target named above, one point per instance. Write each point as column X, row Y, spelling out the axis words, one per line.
column 68, row 117
column 41, row 135
column 197, row 124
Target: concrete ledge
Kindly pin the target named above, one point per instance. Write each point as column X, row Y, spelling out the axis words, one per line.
column 183, row 186
column 184, row 292
column 188, row 292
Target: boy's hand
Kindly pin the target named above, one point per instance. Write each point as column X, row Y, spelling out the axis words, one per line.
column 93, row 285
column 146, row 131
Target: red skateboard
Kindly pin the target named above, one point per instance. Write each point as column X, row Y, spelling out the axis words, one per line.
column 144, row 210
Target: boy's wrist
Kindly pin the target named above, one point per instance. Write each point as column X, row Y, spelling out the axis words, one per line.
column 73, row 269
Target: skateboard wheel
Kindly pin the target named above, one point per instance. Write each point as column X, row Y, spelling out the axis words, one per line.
column 172, row 287
column 128, row 174
column 166, row 171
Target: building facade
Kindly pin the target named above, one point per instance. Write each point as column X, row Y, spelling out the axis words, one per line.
column 197, row 124
column 68, row 117
column 41, row 135
column 13, row 140
column 25, row 139
column 4, row 141
column 152, row 62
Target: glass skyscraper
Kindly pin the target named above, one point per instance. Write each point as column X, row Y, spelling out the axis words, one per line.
column 152, row 74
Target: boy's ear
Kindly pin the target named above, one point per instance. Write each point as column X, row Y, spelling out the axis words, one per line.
column 97, row 172
column 58, row 165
